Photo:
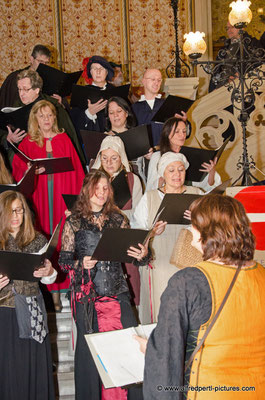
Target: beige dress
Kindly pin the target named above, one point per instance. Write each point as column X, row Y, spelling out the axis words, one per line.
column 154, row 278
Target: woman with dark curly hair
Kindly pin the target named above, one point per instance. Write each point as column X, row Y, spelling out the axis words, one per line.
column 99, row 290
column 231, row 359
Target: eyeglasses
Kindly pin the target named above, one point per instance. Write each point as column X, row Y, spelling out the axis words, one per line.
column 100, row 69
column 18, row 210
column 24, row 89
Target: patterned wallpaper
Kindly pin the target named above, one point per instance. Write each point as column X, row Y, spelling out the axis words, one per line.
column 152, row 34
column 24, row 23
column 221, row 10
column 95, row 29
column 81, row 28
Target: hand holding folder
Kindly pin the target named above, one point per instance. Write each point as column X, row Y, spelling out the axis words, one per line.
column 50, row 165
column 21, row 266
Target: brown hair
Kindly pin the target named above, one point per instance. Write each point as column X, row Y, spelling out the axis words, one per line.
column 224, row 228
column 35, row 79
column 27, row 232
column 5, row 176
column 33, row 126
column 82, row 206
column 170, row 124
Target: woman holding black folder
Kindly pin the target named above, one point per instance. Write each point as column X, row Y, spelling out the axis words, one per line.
column 172, row 168
column 46, row 140
column 112, row 159
column 25, row 362
column 172, row 138
column 100, row 295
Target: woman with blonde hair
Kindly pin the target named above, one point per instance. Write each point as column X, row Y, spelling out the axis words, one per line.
column 45, row 140
column 5, row 175
column 26, row 363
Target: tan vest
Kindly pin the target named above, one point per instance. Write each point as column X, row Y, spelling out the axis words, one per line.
column 233, row 354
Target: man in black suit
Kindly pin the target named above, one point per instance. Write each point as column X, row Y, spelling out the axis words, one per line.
column 8, row 92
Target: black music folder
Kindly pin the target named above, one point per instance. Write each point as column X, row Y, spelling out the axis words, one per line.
column 171, row 106
column 51, row 165
column 80, row 94
column 20, row 266
column 15, row 117
column 121, row 189
column 173, row 205
column 92, row 142
column 196, row 157
column 136, row 141
column 115, row 242
column 69, row 200
column 56, row 81
column 24, row 186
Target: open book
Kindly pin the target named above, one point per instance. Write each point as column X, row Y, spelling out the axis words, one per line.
column 24, row 186
column 20, row 266
column 51, row 165
column 117, row 355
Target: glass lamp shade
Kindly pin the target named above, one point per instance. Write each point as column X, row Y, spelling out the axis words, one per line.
column 240, row 13
column 194, row 43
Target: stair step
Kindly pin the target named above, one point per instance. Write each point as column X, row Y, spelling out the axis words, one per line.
column 65, row 366
column 61, row 351
column 65, row 384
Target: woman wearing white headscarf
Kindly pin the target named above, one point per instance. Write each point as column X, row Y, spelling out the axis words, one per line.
column 112, row 159
column 154, row 278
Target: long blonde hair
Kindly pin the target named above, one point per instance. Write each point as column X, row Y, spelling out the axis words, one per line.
column 27, row 232
column 33, row 127
column 5, row 176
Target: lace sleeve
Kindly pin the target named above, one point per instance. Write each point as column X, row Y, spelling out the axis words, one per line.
column 66, row 258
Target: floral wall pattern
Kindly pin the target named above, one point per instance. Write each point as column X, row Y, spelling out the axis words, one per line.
column 95, row 29
column 152, row 34
column 138, row 32
column 24, row 23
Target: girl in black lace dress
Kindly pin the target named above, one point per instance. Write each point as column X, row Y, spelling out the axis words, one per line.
column 100, row 295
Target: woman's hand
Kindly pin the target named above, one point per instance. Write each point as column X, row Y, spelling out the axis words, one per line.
column 96, row 107
column 39, row 171
column 67, row 213
column 58, row 98
column 159, row 228
column 16, row 136
column 210, row 169
column 182, row 116
column 187, row 214
column 138, row 253
column 149, row 154
column 4, row 281
column 88, row 263
column 45, row 270
column 142, row 342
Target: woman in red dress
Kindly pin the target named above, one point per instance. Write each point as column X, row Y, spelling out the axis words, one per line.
column 45, row 140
